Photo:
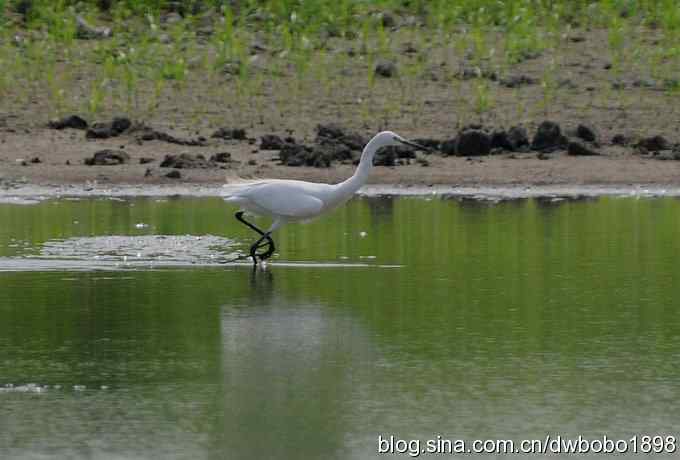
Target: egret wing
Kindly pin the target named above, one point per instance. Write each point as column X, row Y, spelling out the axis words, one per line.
column 287, row 203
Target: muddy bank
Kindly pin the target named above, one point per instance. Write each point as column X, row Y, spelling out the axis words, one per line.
column 126, row 152
column 580, row 132
column 563, row 116
column 33, row 194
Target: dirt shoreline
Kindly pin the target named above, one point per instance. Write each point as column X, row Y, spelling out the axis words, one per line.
column 33, row 194
column 62, row 154
column 627, row 133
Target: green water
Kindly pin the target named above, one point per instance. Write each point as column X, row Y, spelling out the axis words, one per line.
column 505, row 321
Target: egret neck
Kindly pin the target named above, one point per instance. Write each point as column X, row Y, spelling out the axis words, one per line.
column 347, row 188
column 292, row 200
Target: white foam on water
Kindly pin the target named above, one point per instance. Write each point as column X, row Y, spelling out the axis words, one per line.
column 140, row 248
column 148, row 252
column 25, row 388
column 120, row 252
column 35, row 388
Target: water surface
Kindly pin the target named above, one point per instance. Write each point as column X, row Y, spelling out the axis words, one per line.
column 122, row 337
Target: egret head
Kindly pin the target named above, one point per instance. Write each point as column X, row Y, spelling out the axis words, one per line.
column 390, row 138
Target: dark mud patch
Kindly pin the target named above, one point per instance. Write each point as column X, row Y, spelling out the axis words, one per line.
column 272, row 142
column 514, row 139
column 221, row 157
column 106, row 130
column 621, row 139
column 586, row 133
column 108, row 157
column 186, row 161
column 516, row 81
column 473, row 142
column 332, row 144
column 149, row 134
column 123, row 125
column 653, row 144
column 581, row 149
column 385, row 69
column 229, row 134
column 350, row 139
column 71, row 121
column 548, row 138
column 198, row 161
column 304, row 155
column 335, row 144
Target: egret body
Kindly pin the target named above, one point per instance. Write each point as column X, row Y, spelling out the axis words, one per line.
column 286, row 201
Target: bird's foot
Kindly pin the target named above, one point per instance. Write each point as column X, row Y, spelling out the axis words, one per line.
column 265, row 241
column 270, row 250
column 263, row 255
column 260, row 256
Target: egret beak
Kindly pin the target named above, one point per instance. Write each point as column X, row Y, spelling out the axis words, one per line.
column 414, row 145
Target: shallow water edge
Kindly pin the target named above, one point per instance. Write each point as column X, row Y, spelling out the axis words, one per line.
column 32, row 194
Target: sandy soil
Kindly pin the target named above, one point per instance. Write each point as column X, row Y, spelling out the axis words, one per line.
column 437, row 110
column 56, row 148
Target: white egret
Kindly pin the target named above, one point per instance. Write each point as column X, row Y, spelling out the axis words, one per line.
column 287, row 201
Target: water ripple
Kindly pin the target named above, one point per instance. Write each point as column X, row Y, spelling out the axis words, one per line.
column 141, row 248
column 122, row 252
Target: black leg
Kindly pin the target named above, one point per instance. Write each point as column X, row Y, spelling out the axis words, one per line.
column 265, row 239
column 268, row 253
column 239, row 216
